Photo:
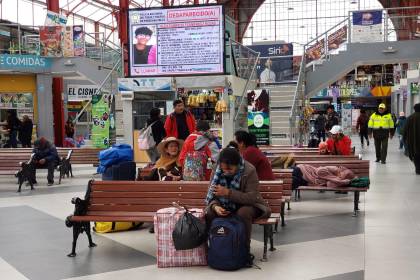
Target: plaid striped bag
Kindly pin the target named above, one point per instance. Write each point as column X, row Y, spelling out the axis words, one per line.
column 164, row 223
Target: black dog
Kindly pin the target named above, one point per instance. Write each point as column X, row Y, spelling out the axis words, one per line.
column 80, row 209
column 26, row 173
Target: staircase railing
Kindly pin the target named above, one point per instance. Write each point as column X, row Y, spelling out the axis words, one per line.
column 299, row 93
column 243, row 64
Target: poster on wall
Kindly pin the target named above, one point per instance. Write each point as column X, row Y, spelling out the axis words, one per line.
column 16, row 100
column 272, row 67
column 414, row 88
column 100, row 119
column 68, row 47
column 78, row 40
column 176, row 41
column 50, row 41
column 259, row 115
column 367, row 27
column 346, row 119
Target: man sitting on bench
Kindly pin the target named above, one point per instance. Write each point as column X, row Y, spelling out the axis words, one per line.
column 46, row 156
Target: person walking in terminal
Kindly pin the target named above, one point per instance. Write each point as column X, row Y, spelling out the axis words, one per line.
column 180, row 123
column 381, row 126
column 411, row 136
column 25, row 132
column 338, row 143
column 332, row 118
column 400, row 126
column 158, row 132
column 362, row 126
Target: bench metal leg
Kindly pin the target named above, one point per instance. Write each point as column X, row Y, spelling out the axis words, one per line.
column 356, row 203
column 288, row 206
column 70, row 170
column 272, row 248
column 297, row 194
column 276, row 227
column 266, row 236
column 282, row 215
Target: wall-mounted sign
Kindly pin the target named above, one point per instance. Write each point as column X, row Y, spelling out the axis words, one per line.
column 176, row 41
column 367, row 27
column 50, row 41
column 414, row 88
column 145, row 84
column 259, row 115
column 24, row 62
column 80, row 92
column 272, row 67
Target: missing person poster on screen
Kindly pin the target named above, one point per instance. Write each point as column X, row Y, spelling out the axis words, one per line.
column 176, row 41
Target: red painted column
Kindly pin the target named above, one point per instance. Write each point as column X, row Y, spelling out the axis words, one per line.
column 57, row 90
column 123, row 31
column 97, row 38
column 53, row 6
column 58, row 111
column 165, row 3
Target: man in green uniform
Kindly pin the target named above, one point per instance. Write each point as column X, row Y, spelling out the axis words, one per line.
column 381, row 126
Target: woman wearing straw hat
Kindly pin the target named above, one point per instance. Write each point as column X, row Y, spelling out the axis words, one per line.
column 168, row 166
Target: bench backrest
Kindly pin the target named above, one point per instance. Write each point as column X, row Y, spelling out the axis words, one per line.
column 144, row 196
column 316, row 157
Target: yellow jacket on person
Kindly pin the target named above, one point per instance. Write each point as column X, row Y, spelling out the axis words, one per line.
column 378, row 121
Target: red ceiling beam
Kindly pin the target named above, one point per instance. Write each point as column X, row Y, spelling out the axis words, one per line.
column 53, row 6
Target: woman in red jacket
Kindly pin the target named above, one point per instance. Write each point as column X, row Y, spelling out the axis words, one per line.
column 251, row 153
column 338, row 143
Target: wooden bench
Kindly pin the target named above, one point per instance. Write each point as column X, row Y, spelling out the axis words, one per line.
column 138, row 201
column 79, row 156
column 298, row 157
column 359, row 167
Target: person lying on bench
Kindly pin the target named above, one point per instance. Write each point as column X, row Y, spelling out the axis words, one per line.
column 46, row 156
column 234, row 189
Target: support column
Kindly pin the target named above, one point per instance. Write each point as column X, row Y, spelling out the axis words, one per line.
column 58, row 111
column 53, row 6
column 128, row 121
column 123, row 31
column 97, row 38
column 45, row 107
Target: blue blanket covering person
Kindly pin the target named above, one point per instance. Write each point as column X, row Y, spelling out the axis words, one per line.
column 114, row 155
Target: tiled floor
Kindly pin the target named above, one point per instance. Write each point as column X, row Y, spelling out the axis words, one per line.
column 321, row 240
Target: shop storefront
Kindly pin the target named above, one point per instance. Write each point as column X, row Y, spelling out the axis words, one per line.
column 18, row 93
column 212, row 98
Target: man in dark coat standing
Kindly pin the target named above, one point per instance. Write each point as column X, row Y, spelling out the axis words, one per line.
column 411, row 136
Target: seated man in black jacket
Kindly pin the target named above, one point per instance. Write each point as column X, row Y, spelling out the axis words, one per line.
column 46, row 156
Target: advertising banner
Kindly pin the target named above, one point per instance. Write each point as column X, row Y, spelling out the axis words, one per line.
column 259, row 115
column 367, row 27
column 414, row 88
column 81, row 92
column 50, row 41
column 316, row 51
column 16, row 100
column 100, row 118
column 78, row 40
column 176, row 41
column 53, row 19
column 337, row 38
column 68, row 48
column 145, row 84
column 272, row 67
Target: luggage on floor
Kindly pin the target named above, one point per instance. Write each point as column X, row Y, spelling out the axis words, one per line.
column 189, row 232
column 167, row 256
column 227, row 244
column 105, row 227
column 123, row 171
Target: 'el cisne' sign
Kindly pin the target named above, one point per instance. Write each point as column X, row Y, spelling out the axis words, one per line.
column 25, row 62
